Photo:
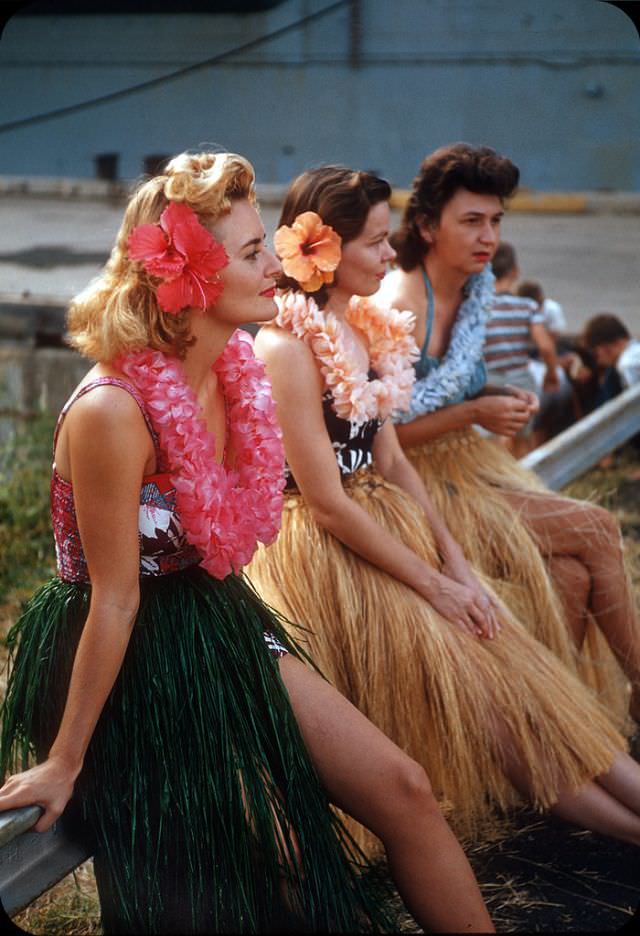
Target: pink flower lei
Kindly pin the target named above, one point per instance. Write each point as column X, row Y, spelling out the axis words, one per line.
column 224, row 510
column 392, row 349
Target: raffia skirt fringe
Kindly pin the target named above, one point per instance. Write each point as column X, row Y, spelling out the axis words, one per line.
column 466, row 475
column 438, row 692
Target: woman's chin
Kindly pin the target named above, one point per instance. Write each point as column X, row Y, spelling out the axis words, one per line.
column 267, row 314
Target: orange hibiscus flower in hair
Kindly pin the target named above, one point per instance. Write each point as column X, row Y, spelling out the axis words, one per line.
column 309, row 250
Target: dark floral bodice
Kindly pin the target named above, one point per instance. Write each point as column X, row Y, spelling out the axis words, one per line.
column 163, row 544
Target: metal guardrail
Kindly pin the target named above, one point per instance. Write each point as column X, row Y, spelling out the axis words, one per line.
column 32, row 862
column 580, row 447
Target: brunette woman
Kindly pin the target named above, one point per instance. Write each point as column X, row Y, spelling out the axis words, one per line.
column 148, row 678
column 395, row 615
column 558, row 562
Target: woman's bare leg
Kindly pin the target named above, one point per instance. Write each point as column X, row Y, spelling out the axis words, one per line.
column 623, row 781
column 609, row 804
column 371, row 779
column 573, row 583
column 563, row 527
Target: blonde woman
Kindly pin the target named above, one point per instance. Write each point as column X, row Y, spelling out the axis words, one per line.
column 148, row 678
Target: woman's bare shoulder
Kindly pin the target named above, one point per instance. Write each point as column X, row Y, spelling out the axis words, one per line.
column 277, row 346
column 402, row 290
column 104, row 424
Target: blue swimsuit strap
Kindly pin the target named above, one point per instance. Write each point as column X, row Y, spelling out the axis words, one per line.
column 431, row 311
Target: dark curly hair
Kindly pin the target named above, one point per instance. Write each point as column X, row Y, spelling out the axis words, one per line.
column 603, row 329
column 478, row 169
column 342, row 197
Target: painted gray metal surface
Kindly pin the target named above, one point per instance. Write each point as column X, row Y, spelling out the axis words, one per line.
column 551, row 82
column 32, row 862
column 580, row 447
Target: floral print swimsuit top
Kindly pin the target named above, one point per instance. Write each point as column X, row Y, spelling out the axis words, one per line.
column 163, row 544
column 429, row 362
column 352, row 442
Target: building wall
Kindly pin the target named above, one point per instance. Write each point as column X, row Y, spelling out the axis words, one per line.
column 552, row 83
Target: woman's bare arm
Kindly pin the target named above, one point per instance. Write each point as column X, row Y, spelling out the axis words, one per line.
column 297, row 388
column 393, row 464
column 502, row 414
column 108, row 446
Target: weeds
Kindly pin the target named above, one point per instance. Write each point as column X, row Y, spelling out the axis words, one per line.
column 26, row 540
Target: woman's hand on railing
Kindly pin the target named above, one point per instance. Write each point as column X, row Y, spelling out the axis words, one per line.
column 48, row 785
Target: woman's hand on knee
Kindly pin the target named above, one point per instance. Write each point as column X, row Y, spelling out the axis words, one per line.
column 48, row 785
column 469, row 607
column 458, row 569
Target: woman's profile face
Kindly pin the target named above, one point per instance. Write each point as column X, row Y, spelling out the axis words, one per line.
column 468, row 232
column 249, row 277
column 364, row 260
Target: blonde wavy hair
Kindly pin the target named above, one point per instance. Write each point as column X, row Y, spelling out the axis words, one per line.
column 118, row 311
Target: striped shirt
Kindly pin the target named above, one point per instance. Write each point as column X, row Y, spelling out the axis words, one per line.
column 508, row 340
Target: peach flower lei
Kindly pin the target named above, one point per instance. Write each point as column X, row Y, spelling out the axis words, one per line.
column 392, row 349
column 224, row 510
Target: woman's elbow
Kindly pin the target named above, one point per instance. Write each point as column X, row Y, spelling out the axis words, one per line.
column 327, row 514
column 120, row 603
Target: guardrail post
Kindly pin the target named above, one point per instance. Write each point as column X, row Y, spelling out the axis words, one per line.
column 32, row 862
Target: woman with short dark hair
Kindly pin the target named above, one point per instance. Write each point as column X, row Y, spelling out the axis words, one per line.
column 557, row 562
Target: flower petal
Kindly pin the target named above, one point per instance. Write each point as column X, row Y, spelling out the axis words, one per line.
column 168, row 266
column 176, row 294
column 146, row 242
column 286, row 242
column 299, row 268
column 208, row 264
column 314, row 282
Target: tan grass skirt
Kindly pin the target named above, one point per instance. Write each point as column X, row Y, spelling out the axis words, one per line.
column 434, row 689
column 466, row 476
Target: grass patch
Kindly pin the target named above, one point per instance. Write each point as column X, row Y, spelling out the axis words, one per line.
column 26, row 539
column 71, row 907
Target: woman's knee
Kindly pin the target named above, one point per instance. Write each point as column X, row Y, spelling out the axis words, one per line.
column 410, row 792
column 602, row 530
column 572, row 578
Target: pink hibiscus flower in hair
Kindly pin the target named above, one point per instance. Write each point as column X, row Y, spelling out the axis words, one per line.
column 184, row 255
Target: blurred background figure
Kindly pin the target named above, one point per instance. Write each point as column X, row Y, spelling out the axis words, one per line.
column 553, row 313
column 615, row 357
column 613, row 348
column 561, row 407
column 516, row 328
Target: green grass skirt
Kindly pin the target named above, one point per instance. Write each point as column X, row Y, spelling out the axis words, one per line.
column 196, row 774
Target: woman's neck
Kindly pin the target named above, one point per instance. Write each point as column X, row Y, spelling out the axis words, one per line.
column 210, row 342
column 447, row 283
column 338, row 303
